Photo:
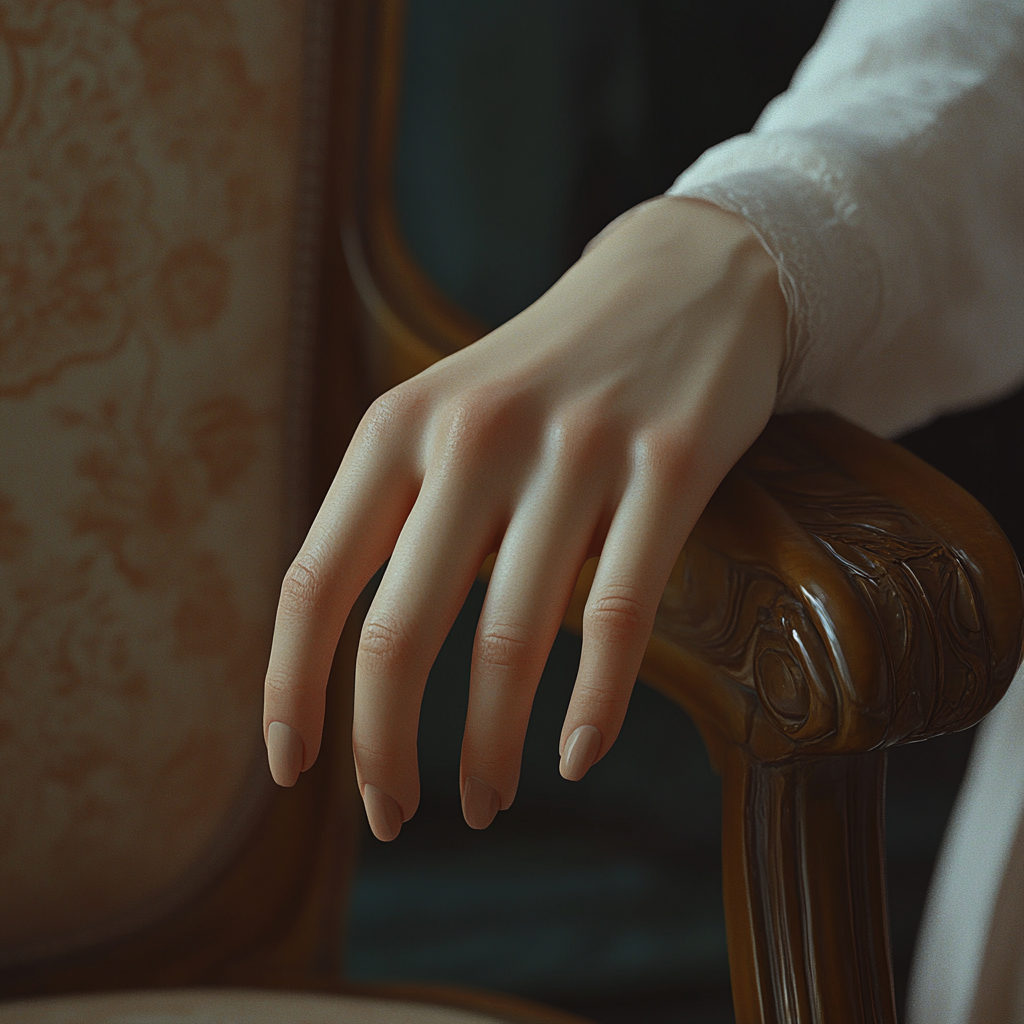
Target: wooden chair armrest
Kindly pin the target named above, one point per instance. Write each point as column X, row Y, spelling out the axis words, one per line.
column 837, row 596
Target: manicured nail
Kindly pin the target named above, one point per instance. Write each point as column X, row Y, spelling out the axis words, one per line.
column 581, row 750
column 382, row 812
column 285, row 753
column 480, row 803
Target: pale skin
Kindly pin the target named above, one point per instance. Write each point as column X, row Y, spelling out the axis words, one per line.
column 598, row 421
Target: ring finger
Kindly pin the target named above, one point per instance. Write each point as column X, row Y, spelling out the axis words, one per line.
column 534, row 575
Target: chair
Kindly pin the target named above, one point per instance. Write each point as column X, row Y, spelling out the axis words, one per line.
column 838, row 595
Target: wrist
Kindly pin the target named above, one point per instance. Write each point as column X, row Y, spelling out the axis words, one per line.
column 672, row 251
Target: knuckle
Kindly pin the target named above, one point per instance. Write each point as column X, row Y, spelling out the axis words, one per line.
column 484, row 417
column 382, row 643
column 501, row 646
column 303, row 585
column 283, row 689
column 467, row 418
column 570, row 448
column 616, row 614
column 276, row 687
column 389, row 410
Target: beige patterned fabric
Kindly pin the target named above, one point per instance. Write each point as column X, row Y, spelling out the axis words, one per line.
column 148, row 161
column 210, row 1007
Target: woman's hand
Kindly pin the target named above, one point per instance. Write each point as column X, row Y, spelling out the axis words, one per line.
column 598, row 421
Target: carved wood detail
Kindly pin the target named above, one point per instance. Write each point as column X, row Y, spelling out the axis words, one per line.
column 837, row 596
column 846, row 622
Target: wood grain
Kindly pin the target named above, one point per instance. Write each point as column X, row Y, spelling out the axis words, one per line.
column 837, row 596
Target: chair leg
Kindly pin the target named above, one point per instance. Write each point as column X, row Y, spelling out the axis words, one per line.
column 803, row 848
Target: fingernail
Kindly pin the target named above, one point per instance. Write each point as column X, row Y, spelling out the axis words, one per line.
column 581, row 750
column 480, row 803
column 382, row 812
column 285, row 753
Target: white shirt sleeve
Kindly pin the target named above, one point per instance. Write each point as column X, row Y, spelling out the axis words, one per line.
column 888, row 183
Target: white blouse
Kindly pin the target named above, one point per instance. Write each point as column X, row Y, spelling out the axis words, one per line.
column 888, row 184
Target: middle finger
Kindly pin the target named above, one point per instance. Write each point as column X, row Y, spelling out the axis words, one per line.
column 427, row 580
column 534, row 575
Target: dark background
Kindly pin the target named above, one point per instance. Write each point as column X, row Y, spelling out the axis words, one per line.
column 527, row 125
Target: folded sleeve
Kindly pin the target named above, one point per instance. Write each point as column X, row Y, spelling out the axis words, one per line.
column 888, row 184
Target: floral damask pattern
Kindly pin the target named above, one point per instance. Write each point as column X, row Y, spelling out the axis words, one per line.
column 148, row 155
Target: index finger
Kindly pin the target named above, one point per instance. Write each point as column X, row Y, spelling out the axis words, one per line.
column 352, row 536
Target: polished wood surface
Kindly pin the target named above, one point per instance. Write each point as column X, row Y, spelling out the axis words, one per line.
column 837, row 596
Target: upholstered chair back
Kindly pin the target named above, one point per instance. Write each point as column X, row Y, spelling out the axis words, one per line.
column 156, row 271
